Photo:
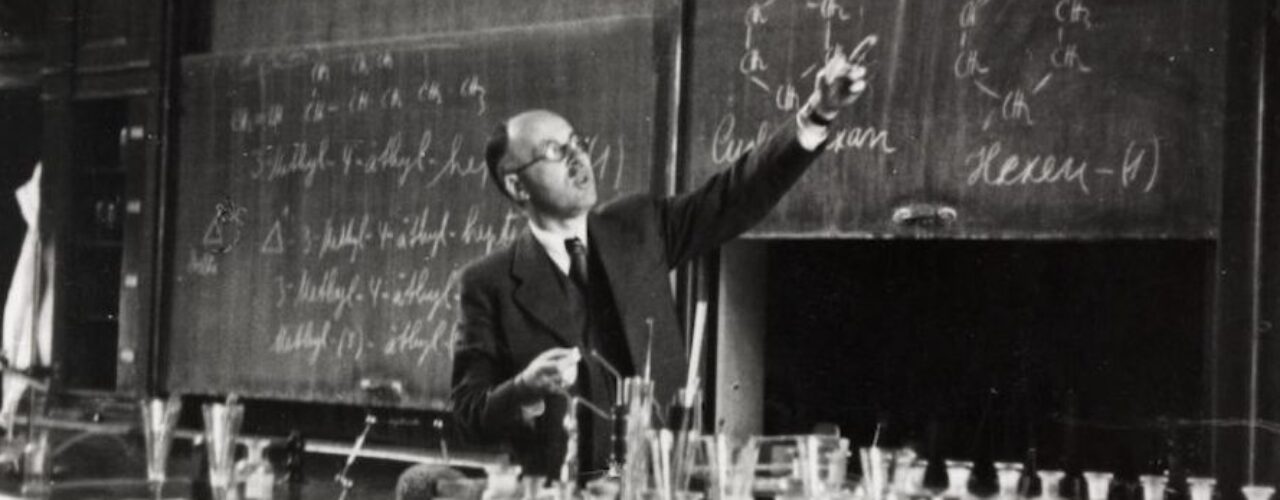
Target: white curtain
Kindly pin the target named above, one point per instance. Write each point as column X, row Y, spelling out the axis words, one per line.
column 27, row 329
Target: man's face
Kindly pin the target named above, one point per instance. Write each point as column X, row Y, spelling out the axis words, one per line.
column 556, row 176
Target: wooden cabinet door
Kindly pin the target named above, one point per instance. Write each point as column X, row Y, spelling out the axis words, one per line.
column 116, row 35
column 140, row 208
column 103, row 193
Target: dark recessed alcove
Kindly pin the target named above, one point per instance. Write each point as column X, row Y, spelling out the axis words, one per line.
column 1090, row 353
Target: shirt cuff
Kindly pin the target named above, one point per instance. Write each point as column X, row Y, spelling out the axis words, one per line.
column 810, row 135
column 530, row 412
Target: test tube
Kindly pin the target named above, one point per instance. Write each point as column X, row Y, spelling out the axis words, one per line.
column 902, row 463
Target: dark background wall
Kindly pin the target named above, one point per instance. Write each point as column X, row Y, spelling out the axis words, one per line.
column 20, row 130
column 1084, row 356
column 20, row 35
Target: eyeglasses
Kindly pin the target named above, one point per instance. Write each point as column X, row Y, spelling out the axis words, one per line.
column 554, row 151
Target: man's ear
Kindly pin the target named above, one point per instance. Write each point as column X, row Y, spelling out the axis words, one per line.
column 516, row 187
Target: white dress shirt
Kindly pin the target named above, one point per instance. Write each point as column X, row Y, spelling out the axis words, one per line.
column 553, row 241
column 810, row 135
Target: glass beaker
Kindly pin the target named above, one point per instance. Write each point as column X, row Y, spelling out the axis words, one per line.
column 1099, row 484
column 914, row 482
column 833, row 462
column 803, row 465
column 35, row 464
column 1050, row 484
column 221, row 427
column 1007, row 476
column 1201, row 487
column 876, row 464
column 706, row 460
column 742, row 471
column 159, row 418
column 1153, row 486
column 958, row 472
column 1257, row 492
column 638, row 407
column 903, row 463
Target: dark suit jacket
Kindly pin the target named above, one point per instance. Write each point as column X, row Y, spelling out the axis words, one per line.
column 511, row 311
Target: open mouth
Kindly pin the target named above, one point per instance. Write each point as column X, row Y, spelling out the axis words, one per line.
column 582, row 174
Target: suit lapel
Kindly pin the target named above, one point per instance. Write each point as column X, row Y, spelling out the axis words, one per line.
column 614, row 249
column 634, row 296
column 537, row 289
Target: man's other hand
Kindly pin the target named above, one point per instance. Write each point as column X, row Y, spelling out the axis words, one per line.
column 839, row 84
column 553, row 371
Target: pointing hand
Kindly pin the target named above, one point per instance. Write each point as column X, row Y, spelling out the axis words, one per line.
column 840, row 83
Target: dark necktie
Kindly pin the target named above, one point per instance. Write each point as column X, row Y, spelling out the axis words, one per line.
column 593, row 386
column 577, row 261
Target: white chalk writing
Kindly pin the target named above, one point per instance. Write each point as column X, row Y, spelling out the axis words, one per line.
column 991, row 165
column 201, row 264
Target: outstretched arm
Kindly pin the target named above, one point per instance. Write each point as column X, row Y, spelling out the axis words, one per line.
column 733, row 200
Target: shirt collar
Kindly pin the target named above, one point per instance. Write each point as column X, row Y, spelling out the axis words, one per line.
column 553, row 241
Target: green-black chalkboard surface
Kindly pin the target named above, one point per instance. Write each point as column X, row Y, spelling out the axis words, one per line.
column 984, row 118
column 327, row 197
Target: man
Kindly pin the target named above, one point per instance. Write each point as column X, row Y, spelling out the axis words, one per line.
column 587, row 282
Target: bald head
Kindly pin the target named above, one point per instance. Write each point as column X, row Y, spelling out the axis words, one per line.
column 529, row 130
column 536, row 158
column 511, row 144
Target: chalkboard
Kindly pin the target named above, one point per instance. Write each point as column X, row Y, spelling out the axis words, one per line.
column 328, row 196
column 255, row 24
column 1023, row 118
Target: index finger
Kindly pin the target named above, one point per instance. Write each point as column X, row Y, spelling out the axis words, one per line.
column 857, row 72
column 859, row 53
